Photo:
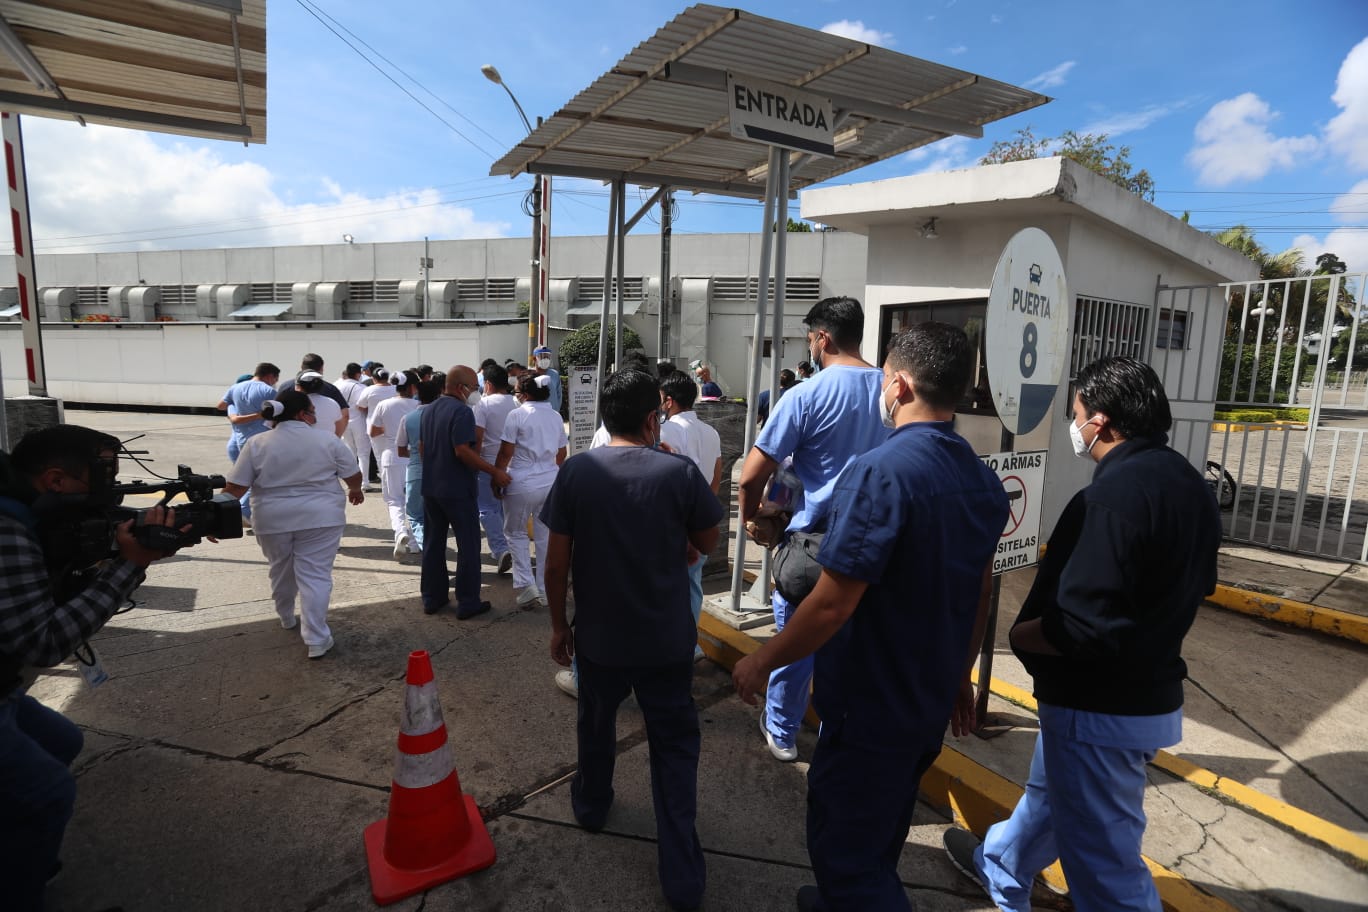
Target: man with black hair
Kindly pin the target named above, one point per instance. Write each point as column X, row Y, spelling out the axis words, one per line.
column 490, row 415
column 1101, row 633
column 895, row 621
column 824, row 425
column 632, row 629
column 314, row 363
column 40, row 625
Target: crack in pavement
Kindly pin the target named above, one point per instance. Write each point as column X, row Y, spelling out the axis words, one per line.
column 362, row 697
column 322, row 899
column 1276, row 748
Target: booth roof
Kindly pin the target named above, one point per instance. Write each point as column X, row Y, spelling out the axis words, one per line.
column 660, row 116
column 193, row 67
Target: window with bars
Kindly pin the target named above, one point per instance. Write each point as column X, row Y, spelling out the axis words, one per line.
column 1171, row 331
column 178, row 296
column 1104, row 329
column 591, row 288
column 474, row 292
column 92, row 297
column 968, row 315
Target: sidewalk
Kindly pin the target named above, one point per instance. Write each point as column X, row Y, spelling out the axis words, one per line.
column 223, row 770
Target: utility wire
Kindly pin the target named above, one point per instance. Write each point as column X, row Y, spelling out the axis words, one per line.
column 449, row 125
column 406, row 75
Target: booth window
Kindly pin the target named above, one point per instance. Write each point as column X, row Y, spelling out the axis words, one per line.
column 1171, row 331
column 968, row 314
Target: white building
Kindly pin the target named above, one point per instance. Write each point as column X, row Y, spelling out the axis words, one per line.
column 1117, row 251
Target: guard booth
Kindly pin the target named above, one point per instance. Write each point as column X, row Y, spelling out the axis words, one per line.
column 721, row 101
column 933, row 243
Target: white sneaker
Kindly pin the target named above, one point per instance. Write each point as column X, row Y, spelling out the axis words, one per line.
column 565, row 680
column 319, row 651
column 401, row 545
column 529, row 598
column 780, row 752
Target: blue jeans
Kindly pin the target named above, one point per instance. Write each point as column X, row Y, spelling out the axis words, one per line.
column 413, row 501
column 37, row 794
column 234, row 450
column 461, row 517
column 491, row 516
column 696, row 587
column 1084, row 805
column 786, row 700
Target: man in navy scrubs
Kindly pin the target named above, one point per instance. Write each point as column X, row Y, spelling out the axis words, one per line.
column 895, row 620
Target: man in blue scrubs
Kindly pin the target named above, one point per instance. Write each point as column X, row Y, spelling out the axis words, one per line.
column 895, row 620
column 1101, row 633
column 823, row 425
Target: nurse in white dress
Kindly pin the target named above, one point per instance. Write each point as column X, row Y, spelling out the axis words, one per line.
column 532, row 451
column 385, row 421
column 298, row 509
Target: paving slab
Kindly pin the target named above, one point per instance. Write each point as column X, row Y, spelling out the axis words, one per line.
column 1349, row 592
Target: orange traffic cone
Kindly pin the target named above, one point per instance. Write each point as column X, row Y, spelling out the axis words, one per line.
column 433, row 833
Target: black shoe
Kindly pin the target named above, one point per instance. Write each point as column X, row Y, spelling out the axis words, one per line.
column 432, row 608
column 810, row 899
column 960, row 845
column 465, row 614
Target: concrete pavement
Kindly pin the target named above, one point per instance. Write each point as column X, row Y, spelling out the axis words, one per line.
column 223, row 770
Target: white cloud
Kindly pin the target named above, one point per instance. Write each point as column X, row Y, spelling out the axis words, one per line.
column 1234, row 143
column 957, row 50
column 995, row 19
column 950, row 154
column 1131, row 121
column 856, row 30
column 1352, row 207
column 1052, row 77
column 1349, row 245
column 103, row 188
column 1347, row 133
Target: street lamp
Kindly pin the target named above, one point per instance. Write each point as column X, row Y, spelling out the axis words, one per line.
column 540, row 246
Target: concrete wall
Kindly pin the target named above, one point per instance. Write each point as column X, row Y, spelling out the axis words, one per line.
column 190, row 365
column 723, row 331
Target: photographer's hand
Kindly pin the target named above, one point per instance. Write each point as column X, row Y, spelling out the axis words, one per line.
column 131, row 550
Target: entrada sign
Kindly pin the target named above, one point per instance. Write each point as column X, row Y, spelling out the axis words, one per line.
column 780, row 115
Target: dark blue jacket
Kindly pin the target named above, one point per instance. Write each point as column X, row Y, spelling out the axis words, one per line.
column 1129, row 561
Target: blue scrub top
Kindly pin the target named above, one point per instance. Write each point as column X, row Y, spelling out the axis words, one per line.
column 824, row 425
column 918, row 519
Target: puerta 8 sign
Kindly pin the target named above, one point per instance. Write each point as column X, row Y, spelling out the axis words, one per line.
column 1027, row 329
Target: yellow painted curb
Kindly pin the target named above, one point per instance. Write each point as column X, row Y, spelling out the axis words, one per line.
column 1279, row 812
column 1293, row 613
column 973, row 794
column 977, row 797
column 1246, row 426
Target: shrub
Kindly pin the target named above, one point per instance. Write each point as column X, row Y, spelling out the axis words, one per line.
column 581, row 346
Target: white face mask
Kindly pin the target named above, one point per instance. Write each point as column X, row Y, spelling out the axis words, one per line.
column 544, row 362
column 473, row 399
column 1081, row 448
column 885, row 411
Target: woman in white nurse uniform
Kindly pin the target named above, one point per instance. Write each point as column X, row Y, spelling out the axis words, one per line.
column 298, row 510
column 532, row 451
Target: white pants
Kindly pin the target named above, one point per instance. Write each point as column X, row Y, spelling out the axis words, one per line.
column 357, row 439
column 301, row 565
column 517, row 510
column 393, row 472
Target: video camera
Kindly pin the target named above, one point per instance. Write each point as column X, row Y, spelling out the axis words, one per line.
column 80, row 531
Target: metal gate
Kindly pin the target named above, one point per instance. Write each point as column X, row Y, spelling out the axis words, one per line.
column 1293, row 356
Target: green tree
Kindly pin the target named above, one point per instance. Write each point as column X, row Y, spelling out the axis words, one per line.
column 798, row 226
column 581, row 346
column 1091, row 150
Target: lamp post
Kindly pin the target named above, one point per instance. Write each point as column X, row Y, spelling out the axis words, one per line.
column 540, row 244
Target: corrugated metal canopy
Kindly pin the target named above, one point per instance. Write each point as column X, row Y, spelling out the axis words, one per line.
column 660, row 117
column 194, row 67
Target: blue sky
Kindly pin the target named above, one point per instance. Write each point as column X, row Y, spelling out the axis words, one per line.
column 1254, row 112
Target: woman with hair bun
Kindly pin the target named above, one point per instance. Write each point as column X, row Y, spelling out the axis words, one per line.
column 532, row 451
column 298, row 509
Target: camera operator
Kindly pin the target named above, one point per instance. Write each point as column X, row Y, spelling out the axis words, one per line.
column 38, row 628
